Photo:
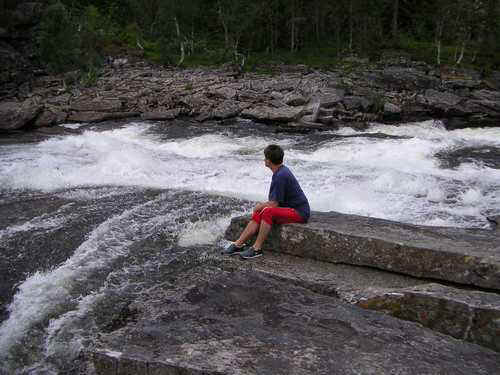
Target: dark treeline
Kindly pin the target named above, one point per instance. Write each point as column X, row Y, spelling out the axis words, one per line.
column 461, row 32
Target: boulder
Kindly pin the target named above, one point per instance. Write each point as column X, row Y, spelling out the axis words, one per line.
column 226, row 109
column 294, row 99
column 18, row 115
column 222, row 93
column 472, row 316
column 494, row 222
column 399, row 79
column 352, row 103
column 89, row 116
column 466, row 256
column 248, row 323
column 391, row 112
column 269, row 114
column 50, row 117
column 441, row 100
column 331, row 97
column 96, row 105
column 161, row 116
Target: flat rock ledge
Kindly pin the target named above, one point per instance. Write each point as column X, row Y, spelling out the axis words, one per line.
column 465, row 256
column 465, row 314
column 473, row 316
column 296, row 101
column 349, row 243
column 247, row 322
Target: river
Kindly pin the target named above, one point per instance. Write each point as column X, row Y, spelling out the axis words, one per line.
column 96, row 218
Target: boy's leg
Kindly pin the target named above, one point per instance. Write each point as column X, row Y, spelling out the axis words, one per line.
column 250, row 229
column 264, row 230
column 278, row 215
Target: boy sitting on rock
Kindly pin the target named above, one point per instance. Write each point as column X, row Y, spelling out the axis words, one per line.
column 286, row 203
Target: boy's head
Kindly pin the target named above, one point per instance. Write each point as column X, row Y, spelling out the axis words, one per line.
column 274, row 154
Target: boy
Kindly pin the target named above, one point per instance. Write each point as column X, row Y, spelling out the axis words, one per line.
column 286, row 203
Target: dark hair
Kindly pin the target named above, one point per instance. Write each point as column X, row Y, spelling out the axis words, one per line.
column 274, row 154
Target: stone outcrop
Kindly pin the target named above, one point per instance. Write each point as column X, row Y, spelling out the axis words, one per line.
column 302, row 100
column 469, row 315
column 310, row 314
column 17, row 115
column 269, row 114
column 448, row 254
column 465, row 256
column 473, row 316
column 245, row 322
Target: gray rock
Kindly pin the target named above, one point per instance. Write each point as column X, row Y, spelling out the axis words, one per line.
column 222, row 93
column 472, row 316
column 357, row 102
column 391, row 112
column 294, row 99
column 97, row 105
column 331, row 97
column 443, row 100
column 247, row 323
column 399, row 78
column 161, row 116
column 276, row 95
column 269, row 114
column 226, row 109
column 50, row 117
column 390, row 108
column 18, row 115
column 89, row 116
column 466, row 256
column 494, row 222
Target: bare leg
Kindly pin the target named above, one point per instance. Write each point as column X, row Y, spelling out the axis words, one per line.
column 264, row 230
column 248, row 232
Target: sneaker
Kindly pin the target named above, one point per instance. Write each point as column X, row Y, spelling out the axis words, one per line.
column 250, row 253
column 233, row 250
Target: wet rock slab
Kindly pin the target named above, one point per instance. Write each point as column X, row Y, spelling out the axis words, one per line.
column 468, row 315
column 249, row 323
column 465, row 314
column 466, row 256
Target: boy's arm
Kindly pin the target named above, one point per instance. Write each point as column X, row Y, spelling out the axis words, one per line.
column 260, row 206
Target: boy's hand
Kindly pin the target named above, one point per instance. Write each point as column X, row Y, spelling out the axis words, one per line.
column 259, row 207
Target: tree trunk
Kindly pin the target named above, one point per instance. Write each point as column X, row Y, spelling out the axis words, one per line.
column 178, row 31
column 224, row 26
column 351, row 24
column 489, row 44
column 395, row 16
column 292, row 20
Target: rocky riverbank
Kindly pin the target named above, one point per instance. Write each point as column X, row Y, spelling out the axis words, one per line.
column 295, row 98
column 304, row 308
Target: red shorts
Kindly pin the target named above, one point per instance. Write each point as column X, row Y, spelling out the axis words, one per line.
column 277, row 215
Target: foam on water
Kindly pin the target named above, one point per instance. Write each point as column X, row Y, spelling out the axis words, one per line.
column 44, row 294
column 46, row 222
column 393, row 178
column 205, row 232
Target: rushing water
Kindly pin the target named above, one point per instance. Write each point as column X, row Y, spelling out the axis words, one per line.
column 92, row 219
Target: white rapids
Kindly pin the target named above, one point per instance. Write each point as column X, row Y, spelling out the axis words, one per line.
column 393, row 178
column 390, row 172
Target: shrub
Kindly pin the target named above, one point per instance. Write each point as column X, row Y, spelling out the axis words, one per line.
column 58, row 44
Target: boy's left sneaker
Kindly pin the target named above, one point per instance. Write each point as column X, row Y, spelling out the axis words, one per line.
column 233, row 250
column 251, row 253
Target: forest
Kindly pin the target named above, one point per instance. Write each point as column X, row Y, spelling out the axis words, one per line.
column 81, row 33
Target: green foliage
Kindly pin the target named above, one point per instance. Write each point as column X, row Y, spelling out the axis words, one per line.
column 267, row 32
column 58, row 43
column 90, row 76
